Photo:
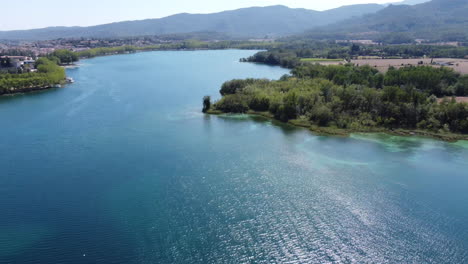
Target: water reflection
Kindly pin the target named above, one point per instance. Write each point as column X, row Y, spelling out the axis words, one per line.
column 287, row 129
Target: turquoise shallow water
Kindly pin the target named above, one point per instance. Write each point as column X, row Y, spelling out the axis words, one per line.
column 121, row 167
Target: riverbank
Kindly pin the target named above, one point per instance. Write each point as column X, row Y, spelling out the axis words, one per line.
column 334, row 131
column 30, row 90
column 182, row 46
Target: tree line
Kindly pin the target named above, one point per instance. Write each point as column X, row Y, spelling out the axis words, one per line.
column 440, row 82
column 354, row 98
column 289, row 55
column 182, row 45
column 48, row 74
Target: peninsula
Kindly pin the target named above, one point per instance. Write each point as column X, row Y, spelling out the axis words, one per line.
column 341, row 99
column 43, row 74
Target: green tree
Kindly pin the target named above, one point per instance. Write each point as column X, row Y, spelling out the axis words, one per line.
column 206, row 104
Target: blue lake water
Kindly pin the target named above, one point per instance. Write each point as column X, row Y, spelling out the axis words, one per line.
column 121, row 167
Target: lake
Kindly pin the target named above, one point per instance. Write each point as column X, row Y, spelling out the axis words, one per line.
column 122, row 167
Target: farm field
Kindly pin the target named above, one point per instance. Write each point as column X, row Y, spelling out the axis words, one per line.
column 321, row 60
column 459, row 65
column 457, row 99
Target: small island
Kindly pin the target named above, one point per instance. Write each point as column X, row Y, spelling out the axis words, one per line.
column 342, row 99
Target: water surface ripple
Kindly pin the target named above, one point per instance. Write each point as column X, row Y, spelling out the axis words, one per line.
column 121, row 167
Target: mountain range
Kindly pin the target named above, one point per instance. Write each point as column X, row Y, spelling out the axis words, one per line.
column 445, row 20
column 436, row 19
column 241, row 23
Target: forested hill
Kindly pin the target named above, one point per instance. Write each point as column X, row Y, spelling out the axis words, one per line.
column 254, row 22
column 445, row 20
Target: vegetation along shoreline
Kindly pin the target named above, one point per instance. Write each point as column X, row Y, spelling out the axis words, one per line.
column 34, row 77
column 344, row 99
column 333, row 131
column 47, row 74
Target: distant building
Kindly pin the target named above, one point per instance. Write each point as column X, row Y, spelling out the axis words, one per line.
column 18, row 61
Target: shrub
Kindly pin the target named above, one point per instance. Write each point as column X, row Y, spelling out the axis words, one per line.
column 321, row 114
column 232, row 104
column 206, row 104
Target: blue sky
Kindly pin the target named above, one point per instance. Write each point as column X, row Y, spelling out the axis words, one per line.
column 27, row 14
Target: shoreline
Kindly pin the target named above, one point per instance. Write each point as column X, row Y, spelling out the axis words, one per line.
column 339, row 132
column 155, row 50
column 70, row 66
column 28, row 90
column 17, row 91
column 33, row 89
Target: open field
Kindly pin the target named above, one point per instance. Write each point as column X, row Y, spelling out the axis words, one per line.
column 458, row 99
column 459, row 65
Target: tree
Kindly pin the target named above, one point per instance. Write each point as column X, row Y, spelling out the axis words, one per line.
column 206, row 104
column 356, row 98
column 65, row 56
column 355, row 49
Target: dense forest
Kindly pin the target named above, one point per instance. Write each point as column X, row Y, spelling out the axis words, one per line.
column 435, row 81
column 437, row 20
column 244, row 23
column 63, row 56
column 351, row 98
column 48, row 74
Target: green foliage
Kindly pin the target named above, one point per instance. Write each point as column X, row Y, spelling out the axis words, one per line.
column 183, row 45
column 321, row 114
column 64, row 56
column 232, row 103
column 341, row 74
column 206, row 104
column 438, row 81
column 284, row 59
column 105, row 51
column 348, row 97
column 259, row 103
column 231, row 87
column 461, row 88
column 48, row 73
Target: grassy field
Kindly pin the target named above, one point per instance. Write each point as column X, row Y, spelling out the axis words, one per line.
column 459, row 65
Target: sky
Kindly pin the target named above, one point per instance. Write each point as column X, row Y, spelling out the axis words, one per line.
column 28, row 14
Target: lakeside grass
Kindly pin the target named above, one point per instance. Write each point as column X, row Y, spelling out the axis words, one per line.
column 340, row 132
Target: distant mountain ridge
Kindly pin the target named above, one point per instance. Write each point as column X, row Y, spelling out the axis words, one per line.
column 254, row 22
column 411, row 2
column 444, row 20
